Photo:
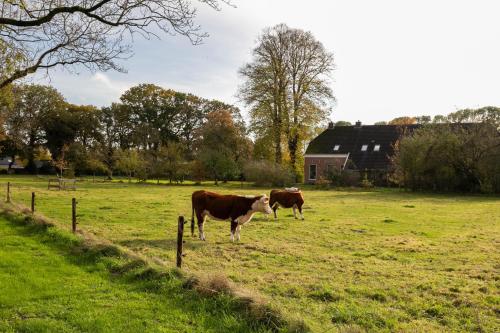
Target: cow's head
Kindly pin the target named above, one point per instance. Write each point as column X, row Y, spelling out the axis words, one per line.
column 261, row 204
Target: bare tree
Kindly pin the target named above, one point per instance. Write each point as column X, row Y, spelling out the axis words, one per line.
column 287, row 86
column 42, row 34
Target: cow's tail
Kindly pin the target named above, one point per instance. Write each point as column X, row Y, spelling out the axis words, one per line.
column 192, row 221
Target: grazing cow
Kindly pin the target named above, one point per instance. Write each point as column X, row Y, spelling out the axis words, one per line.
column 238, row 209
column 288, row 198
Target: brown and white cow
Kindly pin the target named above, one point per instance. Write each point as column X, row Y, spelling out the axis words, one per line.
column 288, row 198
column 238, row 209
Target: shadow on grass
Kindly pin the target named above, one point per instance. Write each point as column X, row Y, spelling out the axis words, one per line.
column 164, row 244
column 137, row 275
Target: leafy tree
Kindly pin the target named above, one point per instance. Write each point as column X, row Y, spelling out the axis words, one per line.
column 192, row 111
column 88, row 126
column 95, row 164
column 287, row 88
column 33, row 108
column 166, row 161
column 61, row 162
column 40, row 35
column 403, row 121
column 262, row 150
column 452, row 156
column 423, row 119
column 438, row 119
column 488, row 114
column 221, row 146
column 152, row 115
column 128, row 162
column 172, row 156
column 381, row 123
column 60, row 127
column 343, row 123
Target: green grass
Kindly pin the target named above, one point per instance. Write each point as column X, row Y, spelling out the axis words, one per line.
column 49, row 284
column 380, row 260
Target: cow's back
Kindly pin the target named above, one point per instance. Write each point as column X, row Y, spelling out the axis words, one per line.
column 286, row 199
column 217, row 205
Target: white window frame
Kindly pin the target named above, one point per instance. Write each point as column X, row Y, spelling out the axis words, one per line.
column 364, row 147
column 336, row 148
column 376, row 147
column 315, row 171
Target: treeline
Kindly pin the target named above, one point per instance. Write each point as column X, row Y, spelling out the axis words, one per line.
column 458, row 152
column 151, row 133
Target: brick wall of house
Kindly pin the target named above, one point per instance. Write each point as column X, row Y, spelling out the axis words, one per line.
column 321, row 166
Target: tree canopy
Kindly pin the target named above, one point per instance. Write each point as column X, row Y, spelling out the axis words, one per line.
column 39, row 35
column 286, row 85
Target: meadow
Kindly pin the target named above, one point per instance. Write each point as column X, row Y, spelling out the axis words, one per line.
column 363, row 260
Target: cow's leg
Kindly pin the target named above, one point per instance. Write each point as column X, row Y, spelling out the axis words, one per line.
column 201, row 222
column 238, row 230
column 275, row 208
column 234, row 226
column 294, row 211
column 300, row 211
column 192, row 222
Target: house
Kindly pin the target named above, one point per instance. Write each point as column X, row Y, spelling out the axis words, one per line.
column 7, row 164
column 366, row 148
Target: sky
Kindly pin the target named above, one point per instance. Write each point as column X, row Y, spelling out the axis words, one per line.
column 392, row 57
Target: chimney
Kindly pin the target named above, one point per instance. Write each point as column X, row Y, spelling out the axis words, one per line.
column 330, row 124
column 358, row 123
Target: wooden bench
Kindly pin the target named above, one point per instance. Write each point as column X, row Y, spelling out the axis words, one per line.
column 62, row 184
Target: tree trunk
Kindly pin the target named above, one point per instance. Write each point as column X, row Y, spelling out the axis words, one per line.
column 277, row 143
column 292, row 149
column 31, row 167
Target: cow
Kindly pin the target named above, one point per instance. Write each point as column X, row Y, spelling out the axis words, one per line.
column 238, row 209
column 288, row 198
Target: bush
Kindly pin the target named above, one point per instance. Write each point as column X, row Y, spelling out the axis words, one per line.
column 266, row 173
column 366, row 183
column 453, row 157
column 322, row 183
column 343, row 177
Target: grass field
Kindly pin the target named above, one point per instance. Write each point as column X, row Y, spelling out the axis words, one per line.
column 48, row 285
column 380, row 260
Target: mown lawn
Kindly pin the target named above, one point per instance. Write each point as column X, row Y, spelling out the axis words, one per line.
column 380, row 260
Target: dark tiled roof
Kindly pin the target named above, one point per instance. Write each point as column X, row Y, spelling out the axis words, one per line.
column 352, row 138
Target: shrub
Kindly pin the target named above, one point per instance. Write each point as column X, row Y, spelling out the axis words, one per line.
column 266, row 173
column 366, row 183
column 453, row 157
column 343, row 177
column 322, row 182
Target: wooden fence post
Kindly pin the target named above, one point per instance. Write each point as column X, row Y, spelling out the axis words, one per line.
column 32, row 202
column 8, row 191
column 73, row 215
column 180, row 232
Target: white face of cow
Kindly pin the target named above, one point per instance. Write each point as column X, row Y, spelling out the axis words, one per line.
column 262, row 205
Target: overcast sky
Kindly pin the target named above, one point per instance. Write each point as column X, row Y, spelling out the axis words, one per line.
column 393, row 57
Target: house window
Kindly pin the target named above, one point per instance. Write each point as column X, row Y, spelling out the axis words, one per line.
column 376, row 148
column 329, row 168
column 336, row 147
column 364, row 147
column 312, row 172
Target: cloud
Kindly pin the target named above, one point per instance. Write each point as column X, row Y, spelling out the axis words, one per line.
column 388, row 62
column 112, row 89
